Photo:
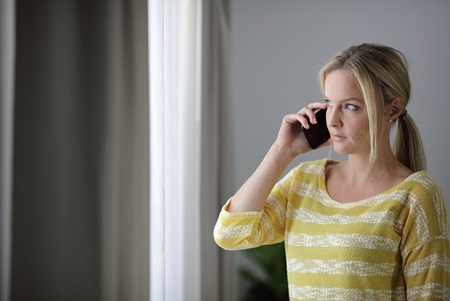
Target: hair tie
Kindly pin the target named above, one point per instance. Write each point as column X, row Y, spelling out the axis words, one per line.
column 403, row 114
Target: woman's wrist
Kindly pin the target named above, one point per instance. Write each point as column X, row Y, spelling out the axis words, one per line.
column 284, row 155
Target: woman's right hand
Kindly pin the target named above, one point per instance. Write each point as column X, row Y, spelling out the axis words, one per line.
column 290, row 136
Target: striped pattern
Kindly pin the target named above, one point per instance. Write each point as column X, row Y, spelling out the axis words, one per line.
column 393, row 246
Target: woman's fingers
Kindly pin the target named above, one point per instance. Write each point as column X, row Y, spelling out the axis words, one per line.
column 309, row 112
column 291, row 135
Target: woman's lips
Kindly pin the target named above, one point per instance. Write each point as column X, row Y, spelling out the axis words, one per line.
column 337, row 138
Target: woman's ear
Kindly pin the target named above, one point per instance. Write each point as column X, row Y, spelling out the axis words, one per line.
column 395, row 108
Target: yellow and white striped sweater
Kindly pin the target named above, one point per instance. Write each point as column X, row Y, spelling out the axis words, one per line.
column 393, row 246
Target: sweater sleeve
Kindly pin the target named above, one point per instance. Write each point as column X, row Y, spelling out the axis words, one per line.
column 244, row 230
column 426, row 248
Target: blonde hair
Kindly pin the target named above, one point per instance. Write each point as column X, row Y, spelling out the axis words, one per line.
column 382, row 75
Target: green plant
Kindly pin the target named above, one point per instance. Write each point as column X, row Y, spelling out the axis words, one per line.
column 271, row 285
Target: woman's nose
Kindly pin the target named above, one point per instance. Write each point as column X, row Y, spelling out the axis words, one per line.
column 333, row 118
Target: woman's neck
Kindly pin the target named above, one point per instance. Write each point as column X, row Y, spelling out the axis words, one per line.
column 359, row 169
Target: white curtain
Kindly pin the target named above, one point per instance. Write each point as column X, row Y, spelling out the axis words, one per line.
column 174, row 149
column 188, row 43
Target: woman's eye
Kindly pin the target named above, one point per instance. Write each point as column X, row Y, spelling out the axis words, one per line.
column 329, row 104
column 351, row 107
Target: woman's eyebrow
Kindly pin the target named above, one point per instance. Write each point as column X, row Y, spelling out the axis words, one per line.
column 345, row 99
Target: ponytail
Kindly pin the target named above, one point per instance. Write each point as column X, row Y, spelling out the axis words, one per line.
column 408, row 147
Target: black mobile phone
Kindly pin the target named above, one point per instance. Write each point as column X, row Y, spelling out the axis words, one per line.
column 317, row 133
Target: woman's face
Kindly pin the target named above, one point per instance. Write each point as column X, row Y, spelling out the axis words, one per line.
column 347, row 118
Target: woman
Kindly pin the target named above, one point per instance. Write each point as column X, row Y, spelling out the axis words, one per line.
column 373, row 227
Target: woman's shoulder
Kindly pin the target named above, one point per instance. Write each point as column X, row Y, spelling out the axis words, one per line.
column 423, row 197
column 422, row 185
column 315, row 167
column 308, row 171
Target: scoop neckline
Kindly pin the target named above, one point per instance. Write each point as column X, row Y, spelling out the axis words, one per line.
column 362, row 202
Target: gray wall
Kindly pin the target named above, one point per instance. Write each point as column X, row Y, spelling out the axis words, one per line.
column 277, row 47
